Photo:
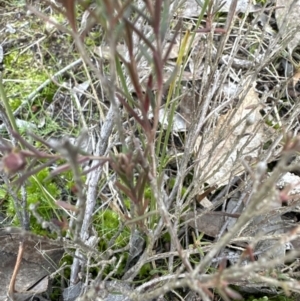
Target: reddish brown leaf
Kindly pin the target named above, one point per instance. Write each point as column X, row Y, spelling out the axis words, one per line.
column 63, row 225
column 157, row 16
column 148, row 93
column 69, row 5
column 66, row 206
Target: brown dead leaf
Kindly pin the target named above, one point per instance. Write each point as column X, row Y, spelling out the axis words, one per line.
column 209, row 223
column 288, row 20
column 232, row 139
column 40, row 258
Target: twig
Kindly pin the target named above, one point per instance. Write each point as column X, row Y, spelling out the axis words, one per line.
column 11, row 288
column 92, row 184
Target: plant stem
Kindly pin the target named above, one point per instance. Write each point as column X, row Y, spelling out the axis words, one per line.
column 7, row 107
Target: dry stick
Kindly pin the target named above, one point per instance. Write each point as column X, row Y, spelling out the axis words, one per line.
column 11, row 288
column 136, row 296
column 92, row 183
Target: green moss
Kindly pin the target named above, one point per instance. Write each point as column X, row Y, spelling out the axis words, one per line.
column 39, row 190
column 253, row 49
column 42, row 191
column 166, row 237
column 145, row 270
column 127, row 203
column 107, row 224
column 23, row 75
column 262, row 2
column 148, row 193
